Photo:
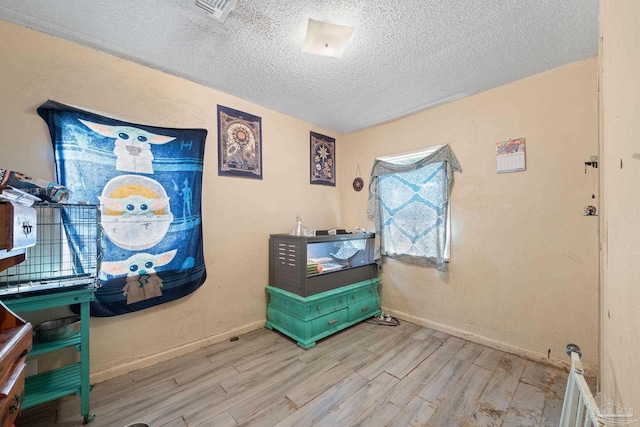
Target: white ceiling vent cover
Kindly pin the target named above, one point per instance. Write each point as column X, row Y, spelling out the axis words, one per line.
column 218, row 9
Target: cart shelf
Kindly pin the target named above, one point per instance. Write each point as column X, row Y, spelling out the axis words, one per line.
column 52, row 385
column 69, row 379
column 46, row 347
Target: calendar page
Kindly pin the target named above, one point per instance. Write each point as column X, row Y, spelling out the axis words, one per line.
column 510, row 156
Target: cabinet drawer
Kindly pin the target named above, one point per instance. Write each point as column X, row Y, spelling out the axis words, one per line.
column 361, row 295
column 329, row 305
column 14, row 391
column 328, row 322
column 304, row 308
column 17, row 226
column 363, row 309
column 16, row 342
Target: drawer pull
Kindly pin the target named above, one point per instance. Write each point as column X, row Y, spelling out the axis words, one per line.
column 341, row 300
column 318, row 308
column 365, row 308
column 331, row 322
column 14, row 406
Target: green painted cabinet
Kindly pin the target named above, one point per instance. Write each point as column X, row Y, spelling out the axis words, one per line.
column 308, row 319
column 69, row 379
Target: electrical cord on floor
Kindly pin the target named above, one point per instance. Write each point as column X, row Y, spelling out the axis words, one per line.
column 385, row 320
column 382, row 319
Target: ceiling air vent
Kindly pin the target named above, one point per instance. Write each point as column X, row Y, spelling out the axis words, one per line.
column 218, row 9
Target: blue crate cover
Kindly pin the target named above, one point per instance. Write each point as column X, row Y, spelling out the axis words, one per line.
column 148, row 182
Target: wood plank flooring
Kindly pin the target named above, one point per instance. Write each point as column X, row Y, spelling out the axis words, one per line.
column 367, row 375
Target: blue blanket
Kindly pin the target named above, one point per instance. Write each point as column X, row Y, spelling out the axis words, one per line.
column 148, row 182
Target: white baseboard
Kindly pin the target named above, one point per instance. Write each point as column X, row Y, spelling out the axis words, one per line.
column 590, row 370
column 144, row 362
column 115, row 371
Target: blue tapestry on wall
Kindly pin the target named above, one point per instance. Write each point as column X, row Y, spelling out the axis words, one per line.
column 148, row 183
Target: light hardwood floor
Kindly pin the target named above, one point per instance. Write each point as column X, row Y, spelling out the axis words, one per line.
column 367, row 375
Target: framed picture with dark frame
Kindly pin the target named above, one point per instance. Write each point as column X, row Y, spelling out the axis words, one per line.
column 239, row 143
column 323, row 159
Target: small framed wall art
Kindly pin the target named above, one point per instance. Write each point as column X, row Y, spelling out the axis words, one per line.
column 323, row 160
column 239, row 143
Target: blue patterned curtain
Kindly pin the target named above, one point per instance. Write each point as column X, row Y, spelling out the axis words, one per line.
column 409, row 204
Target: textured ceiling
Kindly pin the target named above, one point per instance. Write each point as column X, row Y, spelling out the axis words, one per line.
column 404, row 56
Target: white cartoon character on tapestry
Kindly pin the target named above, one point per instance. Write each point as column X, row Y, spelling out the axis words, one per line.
column 135, row 212
column 134, row 205
column 142, row 281
column 187, row 197
column 132, row 145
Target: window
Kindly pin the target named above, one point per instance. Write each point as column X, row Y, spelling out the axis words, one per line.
column 409, row 200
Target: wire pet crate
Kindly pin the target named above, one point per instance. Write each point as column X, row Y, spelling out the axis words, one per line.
column 67, row 252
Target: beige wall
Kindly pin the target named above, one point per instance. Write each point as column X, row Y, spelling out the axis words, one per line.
column 621, row 189
column 524, row 270
column 524, row 265
column 238, row 214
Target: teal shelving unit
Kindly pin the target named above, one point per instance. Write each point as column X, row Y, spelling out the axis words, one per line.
column 69, row 379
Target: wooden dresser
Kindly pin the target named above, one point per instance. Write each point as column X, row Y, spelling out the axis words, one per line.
column 16, row 337
column 17, row 232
